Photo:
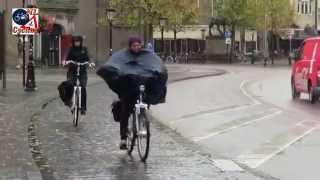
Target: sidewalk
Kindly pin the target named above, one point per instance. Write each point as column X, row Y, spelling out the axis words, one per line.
column 279, row 62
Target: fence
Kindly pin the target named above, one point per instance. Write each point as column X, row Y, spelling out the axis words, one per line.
column 191, row 46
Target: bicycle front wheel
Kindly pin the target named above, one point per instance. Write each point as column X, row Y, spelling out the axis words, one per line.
column 76, row 110
column 131, row 133
column 143, row 135
column 170, row 60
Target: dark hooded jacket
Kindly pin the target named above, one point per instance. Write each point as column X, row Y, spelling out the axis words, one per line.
column 78, row 54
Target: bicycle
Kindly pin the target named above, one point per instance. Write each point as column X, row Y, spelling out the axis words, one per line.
column 76, row 97
column 170, row 59
column 183, row 58
column 139, row 127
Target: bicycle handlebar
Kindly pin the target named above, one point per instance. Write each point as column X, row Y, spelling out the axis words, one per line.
column 76, row 63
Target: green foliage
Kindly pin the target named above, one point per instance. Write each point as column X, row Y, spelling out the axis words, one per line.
column 178, row 12
column 234, row 11
column 252, row 13
column 277, row 13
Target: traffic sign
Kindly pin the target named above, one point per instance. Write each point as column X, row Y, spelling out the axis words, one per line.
column 227, row 34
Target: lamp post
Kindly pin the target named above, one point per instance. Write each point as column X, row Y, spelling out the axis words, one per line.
column 290, row 46
column 266, row 55
column 202, row 46
column 2, row 50
column 111, row 13
column 23, row 54
column 203, row 34
column 316, row 16
column 162, row 21
column 30, row 81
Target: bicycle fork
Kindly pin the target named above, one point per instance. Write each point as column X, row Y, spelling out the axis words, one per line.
column 138, row 108
column 76, row 91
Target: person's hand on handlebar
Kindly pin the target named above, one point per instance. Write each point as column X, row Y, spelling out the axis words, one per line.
column 92, row 65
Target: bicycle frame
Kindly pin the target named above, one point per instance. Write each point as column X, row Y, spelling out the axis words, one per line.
column 140, row 105
column 77, row 87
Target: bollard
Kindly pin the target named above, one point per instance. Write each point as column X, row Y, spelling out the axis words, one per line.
column 31, row 83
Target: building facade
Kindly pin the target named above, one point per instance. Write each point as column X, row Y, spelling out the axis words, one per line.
column 64, row 18
column 305, row 13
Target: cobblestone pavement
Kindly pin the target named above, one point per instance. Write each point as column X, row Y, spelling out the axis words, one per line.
column 91, row 151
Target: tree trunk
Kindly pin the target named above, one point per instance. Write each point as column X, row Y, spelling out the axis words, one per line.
column 175, row 43
column 150, row 34
column 272, row 46
column 145, row 34
column 232, row 42
column 242, row 40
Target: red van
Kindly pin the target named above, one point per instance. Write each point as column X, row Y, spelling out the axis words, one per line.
column 305, row 75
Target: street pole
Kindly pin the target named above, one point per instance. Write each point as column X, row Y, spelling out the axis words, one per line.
column 3, row 49
column 265, row 41
column 316, row 17
column 290, row 49
column 30, row 82
column 162, row 40
column 97, row 30
column 23, row 54
column 110, row 39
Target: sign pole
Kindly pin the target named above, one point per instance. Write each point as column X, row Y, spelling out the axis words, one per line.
column 2, row 50
column 25, row 22
column 23, row 54
column 290, row 48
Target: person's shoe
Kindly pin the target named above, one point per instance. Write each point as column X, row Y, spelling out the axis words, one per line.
column 123, row 145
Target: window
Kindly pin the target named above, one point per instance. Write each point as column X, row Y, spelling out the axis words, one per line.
column 304, row 7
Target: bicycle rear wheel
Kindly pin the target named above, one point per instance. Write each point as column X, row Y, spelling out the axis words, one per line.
column 76, row 111
column 131, row 133
column 169, row 60
column 143, row 135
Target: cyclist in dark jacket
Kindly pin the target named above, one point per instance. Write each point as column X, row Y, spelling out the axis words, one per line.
column 79, row 53
column 126, row 104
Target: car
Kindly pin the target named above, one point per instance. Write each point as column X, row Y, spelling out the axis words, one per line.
column 305, row 74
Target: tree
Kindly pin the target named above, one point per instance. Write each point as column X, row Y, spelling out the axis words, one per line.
column 252, row 14
column 180, row 13
column 136, row 12
column 272, row 16
column 235, row 13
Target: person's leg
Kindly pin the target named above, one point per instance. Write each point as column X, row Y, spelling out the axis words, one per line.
column 83, row 83
column 124, row 117
column 71, row 78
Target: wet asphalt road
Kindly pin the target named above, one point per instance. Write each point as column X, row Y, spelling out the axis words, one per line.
column 247, row 116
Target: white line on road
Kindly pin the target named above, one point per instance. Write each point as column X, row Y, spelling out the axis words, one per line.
column 246, row 93
column 196, row 139
column 226, row 165
column 254, row 160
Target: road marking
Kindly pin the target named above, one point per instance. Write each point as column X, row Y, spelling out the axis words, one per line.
column 236, row 126
column 213, row 111
column 226, row 165
column 281, row 142
column 246, row 93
